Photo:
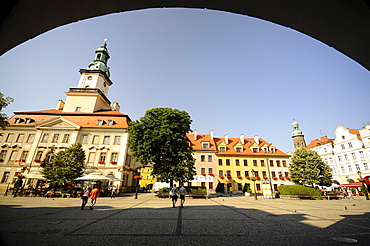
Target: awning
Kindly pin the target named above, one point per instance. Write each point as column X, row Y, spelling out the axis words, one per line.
column 352, row 185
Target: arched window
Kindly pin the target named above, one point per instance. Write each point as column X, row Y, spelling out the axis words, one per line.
column 49, row 157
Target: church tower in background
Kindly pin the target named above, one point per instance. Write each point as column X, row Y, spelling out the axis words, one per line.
column 297, row 135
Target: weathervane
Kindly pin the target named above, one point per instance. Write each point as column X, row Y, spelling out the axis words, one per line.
column 105, row 42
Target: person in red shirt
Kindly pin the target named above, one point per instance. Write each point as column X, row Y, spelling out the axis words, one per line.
column 94, row 195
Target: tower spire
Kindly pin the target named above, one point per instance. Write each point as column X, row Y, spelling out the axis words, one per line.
column 297, row 135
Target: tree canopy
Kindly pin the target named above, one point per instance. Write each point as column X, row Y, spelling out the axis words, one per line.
column 4, row 102
column 307, row 168
column 159, row 139
column 66, row 166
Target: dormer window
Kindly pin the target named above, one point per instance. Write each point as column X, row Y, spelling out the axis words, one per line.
column 17, row 120
column 28, row 120
column 255, row 150
column 265, row 150
column 222, row 149
column 238, row 149
column 272, row 150
column 205, row 145
column 110, row 122
column 100, row 122
column 78, row 109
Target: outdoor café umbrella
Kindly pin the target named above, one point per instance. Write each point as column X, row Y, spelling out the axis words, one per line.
column 112, row 178
column 35, row 175
column 94, row 177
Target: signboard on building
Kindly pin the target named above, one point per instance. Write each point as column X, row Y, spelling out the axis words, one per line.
column 266, row 189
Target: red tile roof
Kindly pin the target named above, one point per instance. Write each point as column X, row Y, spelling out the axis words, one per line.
column 318, row 142
column 81, row 119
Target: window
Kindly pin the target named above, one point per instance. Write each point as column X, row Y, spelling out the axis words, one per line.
column 85, row 139
column 258, row 186
column 361, row 153
column 220, row 162
column 91, row 158
column 55, row 138
column 100, row 122
column 264, row 174
column 202, row 170
column 20, row 138
column 354, row 156
column 342, row 169
column 357, row 167
column 286, row 174
column 255, row 163
column 28, row 120
column 246, row 173
column 49, row 157
column 205, row 145
column 273, row 150
column 346, row 157
column 5, row 177
column 265, row 150
column 102, row 157
column 262, row 163
column 65, row 138
column 278, row 164
column 245, row 162
column 31, row 137
column 96, row 139
column 339, row 158
column 9, row 138
column 13, row 155
column 202, row 158
column 227, row 162
column 78, row 109
column 110, row 122
column 271, row 163
column 221, row 173
column 237, row 163
column 210, row 170
column 343, row 147
column 350, row 145
column 284, row 163
column 114, row 157
column 325, row 151
column 24, row 155
column 210, row 185
column 331, row 160
column 3, row 154
column 45, row 138
column 222, row 149
column 238, row 173
column 255, row 150
column 17, row 120
column 273, row 174
column 209, row 158
column 117, row 140
column 228, row 173
column 366, row 167
column 349, row 168
column 238, row 149
column 106, row 139
column 39, row 155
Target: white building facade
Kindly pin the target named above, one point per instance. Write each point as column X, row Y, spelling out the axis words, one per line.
column 348, row 155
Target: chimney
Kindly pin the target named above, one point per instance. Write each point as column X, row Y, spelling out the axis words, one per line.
column 116, row 106
column 211, row 134
column 60, row 105
column 256, row 139
column 227, row 139
column 195, row 134
column 242, row 138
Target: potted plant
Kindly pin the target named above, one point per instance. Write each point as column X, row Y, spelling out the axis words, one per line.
column 247, row 177
column 265, row 178
column 1, row 160
column 240, row 177
column 287, row 178
column 37, row 160
column 222, row 177
column 281, row 178
column 113, row 162
column 101, row 162
column 247, row 190
column 211, row 174
column 204, row 174
column 274, row 178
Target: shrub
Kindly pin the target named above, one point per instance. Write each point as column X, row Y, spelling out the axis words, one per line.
column 198, row 190
column 164, row 190
column 298, row 189
column 247, row 188
column 220, row 188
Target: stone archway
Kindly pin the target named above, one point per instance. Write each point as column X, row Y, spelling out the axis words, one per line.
column 343, row 25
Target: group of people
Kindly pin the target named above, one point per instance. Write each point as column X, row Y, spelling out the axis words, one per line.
column 174, row 196
column 92, row 194
column 348, row 194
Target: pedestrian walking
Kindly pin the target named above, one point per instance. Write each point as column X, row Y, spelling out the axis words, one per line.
column 350, row 194
column 94, row 195
column 85, row 197
column 113, row 192
column 173, row 194
column 345, row 194
column 182, row 195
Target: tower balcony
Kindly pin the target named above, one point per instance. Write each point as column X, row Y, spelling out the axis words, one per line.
column 89, row 90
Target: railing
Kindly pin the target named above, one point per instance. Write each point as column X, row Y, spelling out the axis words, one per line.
column 90, row 90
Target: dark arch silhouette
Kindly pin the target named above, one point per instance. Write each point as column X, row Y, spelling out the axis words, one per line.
column 343, row 25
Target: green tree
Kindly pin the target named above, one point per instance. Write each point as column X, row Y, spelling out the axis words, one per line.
column 159, row 139
column 307, row 168
column 66, row 166
column 4, row 102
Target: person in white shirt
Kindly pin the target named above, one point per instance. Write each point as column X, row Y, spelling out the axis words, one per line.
column 182, row 194
column 173, row 194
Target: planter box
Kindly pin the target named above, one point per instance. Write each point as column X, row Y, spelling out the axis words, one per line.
column 295, row 197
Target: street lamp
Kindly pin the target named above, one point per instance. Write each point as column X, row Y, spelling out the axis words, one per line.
column 363, row 185
column 254, row 184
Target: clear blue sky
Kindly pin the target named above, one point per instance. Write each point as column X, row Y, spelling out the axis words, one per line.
column 233, row 74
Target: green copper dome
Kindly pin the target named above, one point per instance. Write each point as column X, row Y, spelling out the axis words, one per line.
column 101, row 60
column 296, row 130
